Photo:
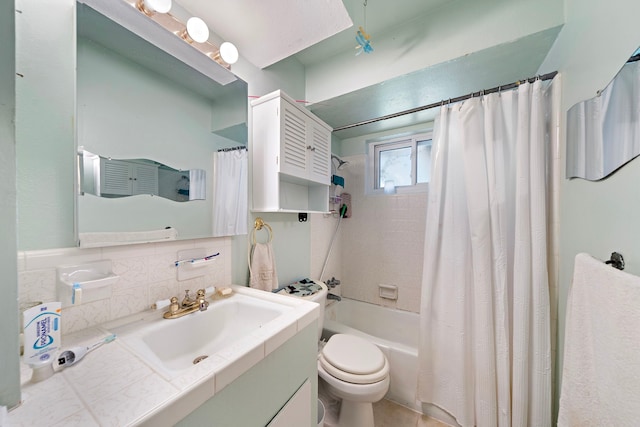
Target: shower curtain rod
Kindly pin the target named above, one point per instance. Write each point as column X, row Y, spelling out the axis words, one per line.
column 547, row 76
column 238, row 147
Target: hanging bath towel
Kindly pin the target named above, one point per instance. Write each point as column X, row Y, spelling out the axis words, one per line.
column 263, row 267
column 601, row 369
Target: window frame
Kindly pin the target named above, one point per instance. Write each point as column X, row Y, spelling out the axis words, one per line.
column 372, row 176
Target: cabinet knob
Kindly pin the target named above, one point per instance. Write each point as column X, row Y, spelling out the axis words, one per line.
column 310, row 148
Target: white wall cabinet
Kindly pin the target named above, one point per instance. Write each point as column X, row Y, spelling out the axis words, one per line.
column 125, row 178
column 291, row 156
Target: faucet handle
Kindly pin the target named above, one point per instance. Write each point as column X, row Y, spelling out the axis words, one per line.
column 202, row 302
column 174, row 307
column 187, row 298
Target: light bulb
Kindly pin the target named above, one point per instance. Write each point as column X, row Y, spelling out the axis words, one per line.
column 229, row 52
column 197, row 30
column 149, row 7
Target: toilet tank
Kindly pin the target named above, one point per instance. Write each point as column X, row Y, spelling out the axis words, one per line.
column 302, row 288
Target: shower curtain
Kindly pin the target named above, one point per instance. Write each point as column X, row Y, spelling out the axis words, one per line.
column 230, row 182
column 485, row 312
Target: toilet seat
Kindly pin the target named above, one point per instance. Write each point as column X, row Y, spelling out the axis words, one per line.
column 352, row 359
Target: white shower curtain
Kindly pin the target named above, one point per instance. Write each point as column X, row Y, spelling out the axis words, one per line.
column 485, row 311
column 230, row 208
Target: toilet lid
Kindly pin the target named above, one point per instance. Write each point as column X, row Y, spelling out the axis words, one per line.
column 353, row 354
column 302, row 288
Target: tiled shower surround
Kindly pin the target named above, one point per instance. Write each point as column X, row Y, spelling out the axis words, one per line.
column 147, row 274
column 382, row 242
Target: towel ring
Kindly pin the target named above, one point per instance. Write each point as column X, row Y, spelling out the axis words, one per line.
column 258, row 224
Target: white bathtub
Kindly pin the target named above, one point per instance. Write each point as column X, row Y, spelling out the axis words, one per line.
column 395, row 332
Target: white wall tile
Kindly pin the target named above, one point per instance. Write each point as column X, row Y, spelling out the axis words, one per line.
column 382, row 242
column 146, row 275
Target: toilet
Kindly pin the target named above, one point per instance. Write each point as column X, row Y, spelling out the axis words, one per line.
column 350, row 368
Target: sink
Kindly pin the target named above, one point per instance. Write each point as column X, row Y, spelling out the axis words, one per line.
column 172, row 346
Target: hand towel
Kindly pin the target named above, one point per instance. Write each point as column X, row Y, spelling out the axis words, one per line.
column 601, row 372
column 263, row 267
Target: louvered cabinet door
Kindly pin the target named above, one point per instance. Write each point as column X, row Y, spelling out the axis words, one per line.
column 145, row 180
column 115, row 178
column 293, row 144
column 319, row 155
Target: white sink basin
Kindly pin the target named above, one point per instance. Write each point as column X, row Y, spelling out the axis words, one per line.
column 172, row 345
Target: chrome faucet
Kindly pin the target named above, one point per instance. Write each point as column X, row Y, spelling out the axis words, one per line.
column 188, row 305
column 335, row 297
column 333, row 282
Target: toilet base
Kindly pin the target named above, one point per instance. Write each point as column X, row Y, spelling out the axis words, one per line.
column 355, row 414
column 356, row 411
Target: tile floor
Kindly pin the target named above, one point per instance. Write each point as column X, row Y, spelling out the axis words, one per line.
column 386, row 414
column 389, row 414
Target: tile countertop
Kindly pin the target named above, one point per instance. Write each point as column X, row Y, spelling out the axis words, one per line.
column 112, row 386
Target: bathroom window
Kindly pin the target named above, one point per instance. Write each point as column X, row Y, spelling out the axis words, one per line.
column 399, row 165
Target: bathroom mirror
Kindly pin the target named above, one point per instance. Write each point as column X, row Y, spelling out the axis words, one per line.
column 143, row 112
column 603, row 133
column 112, row 178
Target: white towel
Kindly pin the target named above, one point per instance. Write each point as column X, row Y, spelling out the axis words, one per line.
column 263, row 267
column 601, row 372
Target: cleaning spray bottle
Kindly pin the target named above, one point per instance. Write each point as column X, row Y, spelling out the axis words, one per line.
column 41, row 338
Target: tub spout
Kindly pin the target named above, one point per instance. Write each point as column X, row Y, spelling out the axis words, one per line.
column 335, row 297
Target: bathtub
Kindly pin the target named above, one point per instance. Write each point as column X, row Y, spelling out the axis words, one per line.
column 395, row 332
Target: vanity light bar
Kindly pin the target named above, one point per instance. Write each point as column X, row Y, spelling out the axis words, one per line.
column 195, row 31
column 164, row 35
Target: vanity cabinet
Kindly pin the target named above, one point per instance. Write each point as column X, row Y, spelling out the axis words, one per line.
column 126, row 178
column 291, row 155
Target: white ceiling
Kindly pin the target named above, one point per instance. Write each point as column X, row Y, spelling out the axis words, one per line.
column 383, row 16
column 266, row 32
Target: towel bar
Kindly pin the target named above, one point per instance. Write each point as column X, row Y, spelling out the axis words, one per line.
column 616, row 260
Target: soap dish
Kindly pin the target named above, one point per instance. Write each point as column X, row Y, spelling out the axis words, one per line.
column 77, row 284
column 222, row 292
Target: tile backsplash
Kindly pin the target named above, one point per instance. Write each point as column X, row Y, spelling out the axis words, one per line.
column 146, row 274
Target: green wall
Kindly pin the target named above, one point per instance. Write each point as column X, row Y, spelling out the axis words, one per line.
column 9, row 369
column 45, row 123
column 596, row 217
column 291, row 239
